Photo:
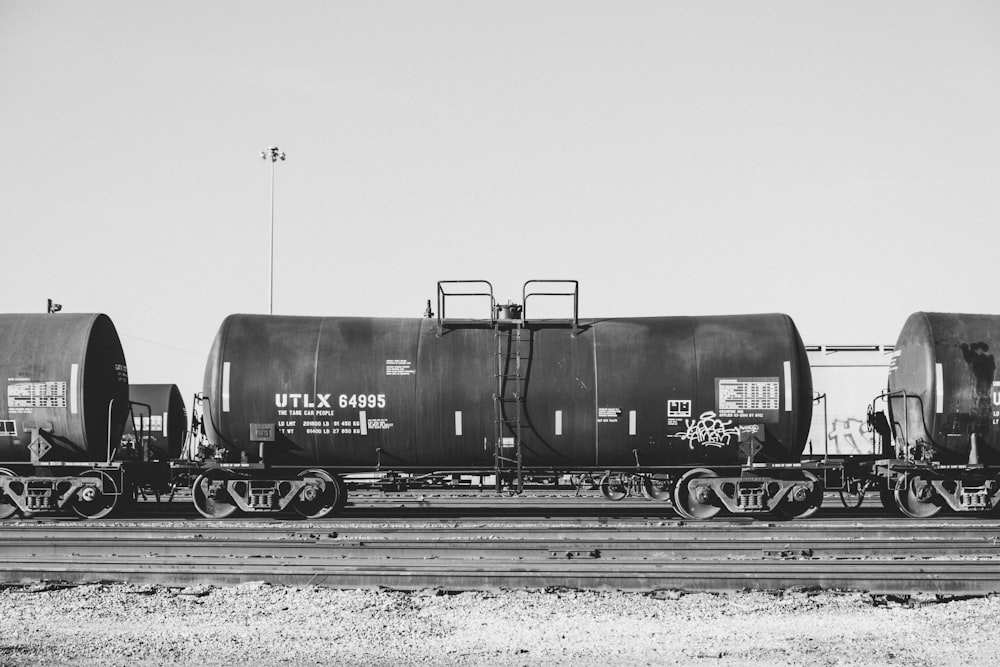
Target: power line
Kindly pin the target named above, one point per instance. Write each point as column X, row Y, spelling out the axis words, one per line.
column 171, row 347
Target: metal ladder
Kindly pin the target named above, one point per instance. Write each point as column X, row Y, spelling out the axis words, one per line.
column 512, row 358
column 510, row 376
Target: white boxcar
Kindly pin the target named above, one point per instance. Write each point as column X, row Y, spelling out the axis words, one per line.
column 846, row 378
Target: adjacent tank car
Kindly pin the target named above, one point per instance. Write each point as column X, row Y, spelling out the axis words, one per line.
column 713, row 410
column 159, row 425
column 941, row 415
column 62, row 413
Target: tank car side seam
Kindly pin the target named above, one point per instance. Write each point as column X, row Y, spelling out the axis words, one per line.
column 597, row 403
column 223, row 336
column 692, row 328
column 791, row 358
column 798, row 430
column 935, row 377
column 82, row 373
column 417, row 427
column 315, row 385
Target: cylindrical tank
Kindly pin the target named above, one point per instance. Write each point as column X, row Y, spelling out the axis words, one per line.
column 354, row 392
column 945, row 364
column 64, row 374
column 164, row 424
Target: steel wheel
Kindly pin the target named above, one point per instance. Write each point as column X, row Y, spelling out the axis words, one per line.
column 614, row 486
column 211, row 498
column 341, row 491
column 887, row 497
column 7, row 508
column 917, row 499
column 129, row 497
column 805, row 506
column 695, row 503
column 319, row 498
column 656, row 487
column 97, row 503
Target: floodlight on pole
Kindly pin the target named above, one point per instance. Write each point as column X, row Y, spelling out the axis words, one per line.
column 275, row 154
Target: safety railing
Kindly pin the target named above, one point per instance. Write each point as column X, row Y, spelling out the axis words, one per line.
column 571, row 288
column 468, row 289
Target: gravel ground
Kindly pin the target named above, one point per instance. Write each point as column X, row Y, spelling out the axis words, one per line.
column 262, row 625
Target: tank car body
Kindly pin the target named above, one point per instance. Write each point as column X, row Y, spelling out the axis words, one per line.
column 943, row 411
column 62, row 412
column 663, row 396
column 945, row 387
column 66, row 378
column 159, row 420
column 362, row 392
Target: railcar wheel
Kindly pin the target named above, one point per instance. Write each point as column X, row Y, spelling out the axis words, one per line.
column 917, row 499
column 801, row 503
column 341, row 491
column 656, row 487
column 318, row 499
column 93, row 503
column 128, row 499
column 887, row 496
column 614, row 486
column 211, row 498
column 7, row 508
column 696, row 503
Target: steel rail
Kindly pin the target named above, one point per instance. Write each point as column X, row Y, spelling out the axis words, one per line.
column 888, row 576
column 500, row 547
column 927, row 530
column 892, row 556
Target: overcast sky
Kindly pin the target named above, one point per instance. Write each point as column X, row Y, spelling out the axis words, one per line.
column 836, row 161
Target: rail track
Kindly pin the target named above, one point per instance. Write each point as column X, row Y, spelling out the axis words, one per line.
column 636, row 546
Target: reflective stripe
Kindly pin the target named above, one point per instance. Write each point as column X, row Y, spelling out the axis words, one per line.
column 558, row 422
column 458, row 422
column 631, row 422
column 164, row 423
column 225, row 386
column 938, row 389
column 74, row 377
column 363, row 418
column 788, row 386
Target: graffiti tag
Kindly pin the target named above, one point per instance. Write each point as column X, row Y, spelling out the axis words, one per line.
column 848, row 436
column 708, row 430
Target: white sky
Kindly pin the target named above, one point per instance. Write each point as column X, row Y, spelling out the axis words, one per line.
column 837, row 161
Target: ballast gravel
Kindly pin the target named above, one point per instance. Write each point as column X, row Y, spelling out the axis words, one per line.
column 260, row 624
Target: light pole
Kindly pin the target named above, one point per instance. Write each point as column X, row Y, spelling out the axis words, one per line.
column 275, row 154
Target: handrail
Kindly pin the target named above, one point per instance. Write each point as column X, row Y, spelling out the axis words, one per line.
column 905, row 426
column 574, row 291
column 111, row 407
column 821, row 398
column 141, row 434
column 442, row 294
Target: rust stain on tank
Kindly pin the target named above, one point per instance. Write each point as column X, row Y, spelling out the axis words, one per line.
column 982, row 366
